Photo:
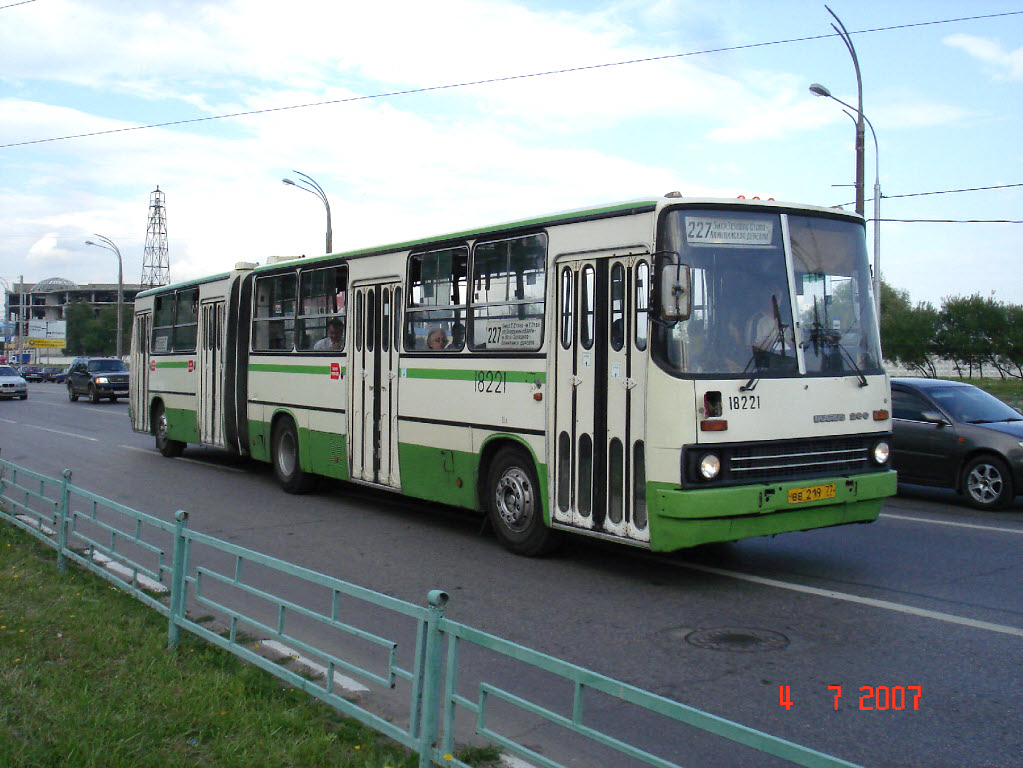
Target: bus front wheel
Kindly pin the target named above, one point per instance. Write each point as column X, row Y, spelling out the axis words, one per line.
column 168, row 447
column 287, row 466
column 515, row 508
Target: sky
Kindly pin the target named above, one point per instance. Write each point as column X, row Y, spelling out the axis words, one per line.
column 715, row 103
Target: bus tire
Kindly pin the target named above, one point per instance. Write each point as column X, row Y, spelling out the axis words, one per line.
column 168, row 447
column 515, row 508
column 285, row 458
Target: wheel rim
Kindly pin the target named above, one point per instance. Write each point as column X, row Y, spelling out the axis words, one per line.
column 985, row 483
column 286, row 454
column 161, row 429
column 516, row 502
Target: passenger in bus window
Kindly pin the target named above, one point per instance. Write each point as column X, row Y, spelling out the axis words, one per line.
column 437, row 339
column 333, row 338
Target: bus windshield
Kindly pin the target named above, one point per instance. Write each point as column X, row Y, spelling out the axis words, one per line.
column 752, row 315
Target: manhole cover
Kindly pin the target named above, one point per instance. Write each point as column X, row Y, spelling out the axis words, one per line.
column 741, row 639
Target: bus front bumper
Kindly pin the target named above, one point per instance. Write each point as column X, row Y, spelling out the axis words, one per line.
column 680, row 519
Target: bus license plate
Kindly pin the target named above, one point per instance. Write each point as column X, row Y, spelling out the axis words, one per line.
column 812, row 493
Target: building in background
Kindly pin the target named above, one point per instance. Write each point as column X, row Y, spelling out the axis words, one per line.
column 43, row 314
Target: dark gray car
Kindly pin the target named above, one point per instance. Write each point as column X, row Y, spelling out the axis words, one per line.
column 954, row 435
column 97, row 377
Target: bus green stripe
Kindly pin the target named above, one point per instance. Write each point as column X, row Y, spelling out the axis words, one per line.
column 172, row 364
column 318, row 370
column 512, row 377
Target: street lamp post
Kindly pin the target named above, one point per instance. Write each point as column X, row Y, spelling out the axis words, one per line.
column 108, row 244
column 844, row 36
column 819, row 90
column 309, row 185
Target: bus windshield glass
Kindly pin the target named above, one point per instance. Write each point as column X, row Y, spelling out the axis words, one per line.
column 754, row 315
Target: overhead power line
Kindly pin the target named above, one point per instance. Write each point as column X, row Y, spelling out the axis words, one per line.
column 955, row 221
column 493, row 80
column 943, row 192
column 12, row 5
column 952, row 191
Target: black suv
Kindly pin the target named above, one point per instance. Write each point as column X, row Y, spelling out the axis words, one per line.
column 97, row 377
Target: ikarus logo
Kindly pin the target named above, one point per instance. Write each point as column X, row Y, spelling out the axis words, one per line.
column 823, row 418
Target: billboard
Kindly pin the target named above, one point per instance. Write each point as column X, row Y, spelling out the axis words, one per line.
column 46, row 333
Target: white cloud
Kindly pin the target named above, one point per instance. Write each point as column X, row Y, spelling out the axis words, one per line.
column 1008, row 65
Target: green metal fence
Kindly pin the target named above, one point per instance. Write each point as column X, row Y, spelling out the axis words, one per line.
column 234, row 597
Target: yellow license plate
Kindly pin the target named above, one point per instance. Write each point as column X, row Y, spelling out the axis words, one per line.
column 812, row 493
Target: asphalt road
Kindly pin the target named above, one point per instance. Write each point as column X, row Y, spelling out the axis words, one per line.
column 925, row 604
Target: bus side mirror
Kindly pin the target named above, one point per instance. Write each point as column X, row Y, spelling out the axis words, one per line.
column 676, row 297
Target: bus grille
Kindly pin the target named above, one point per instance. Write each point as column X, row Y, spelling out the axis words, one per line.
column 799, row 458
column 783, row 460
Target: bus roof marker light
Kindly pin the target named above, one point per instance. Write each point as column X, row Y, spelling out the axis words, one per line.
column 676, row 193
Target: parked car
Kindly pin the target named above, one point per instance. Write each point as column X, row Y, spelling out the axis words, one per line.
column 97, row 377
column 32, row 373
column 955, row 435
column 12, row 384
column 52, row 372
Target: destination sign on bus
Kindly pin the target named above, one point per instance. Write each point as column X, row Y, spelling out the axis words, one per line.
column 499, row 333
column 703, row 230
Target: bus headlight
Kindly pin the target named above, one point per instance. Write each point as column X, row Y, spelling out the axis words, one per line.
column 710, row 466
column 881, row 451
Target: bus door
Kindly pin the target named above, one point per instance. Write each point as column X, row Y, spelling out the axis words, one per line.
column 600, row 379
column 140, row 372
column 373, row 384
column 211, row 373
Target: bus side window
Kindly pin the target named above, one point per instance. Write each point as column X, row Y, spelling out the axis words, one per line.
column 273, row 324
column 321, row 308
column 509, row 285
column 163, row 323
column 436, row 296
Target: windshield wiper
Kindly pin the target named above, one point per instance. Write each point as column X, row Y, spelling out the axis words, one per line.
column 777, row 336
column 823, row 337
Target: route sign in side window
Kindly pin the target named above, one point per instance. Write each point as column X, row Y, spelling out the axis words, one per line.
column 509, row 289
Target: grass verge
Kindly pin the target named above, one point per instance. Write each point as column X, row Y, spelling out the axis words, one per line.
column 86, row 681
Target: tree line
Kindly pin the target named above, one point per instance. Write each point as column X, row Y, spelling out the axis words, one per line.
column 971, row 332
column 92, row 331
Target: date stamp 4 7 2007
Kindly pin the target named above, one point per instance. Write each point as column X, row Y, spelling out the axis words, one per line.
column 871, row 698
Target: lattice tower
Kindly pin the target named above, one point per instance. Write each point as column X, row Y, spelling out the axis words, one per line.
column 156, row 262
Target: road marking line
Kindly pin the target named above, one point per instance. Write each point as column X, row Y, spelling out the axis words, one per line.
column 8, row 421
column 66, row 434
column 870, row 601
column 1018, row 532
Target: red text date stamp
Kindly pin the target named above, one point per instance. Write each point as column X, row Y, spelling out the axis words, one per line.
column 870, row 697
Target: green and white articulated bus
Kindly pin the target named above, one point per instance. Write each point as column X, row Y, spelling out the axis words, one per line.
column 663, row 373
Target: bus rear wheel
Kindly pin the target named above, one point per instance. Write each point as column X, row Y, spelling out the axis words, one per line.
column 285, row 458
column 514, row 506
column 168, row 447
